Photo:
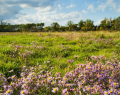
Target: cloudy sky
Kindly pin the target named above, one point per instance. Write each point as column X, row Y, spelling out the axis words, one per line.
column 61, row 11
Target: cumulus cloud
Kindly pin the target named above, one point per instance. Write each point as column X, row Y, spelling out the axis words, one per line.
column 48, row 17
column 71, row 6
column 9, row 11
column 11, row 8
column 108, row 3
column 91, row 7
column 98, row 22
column 59, row 6
column 84, row 11
column 118, row 10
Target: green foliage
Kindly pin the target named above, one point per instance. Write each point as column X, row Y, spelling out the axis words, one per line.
column 81, row 24
column 117, row 24
column 55, row 26
column 88, row 24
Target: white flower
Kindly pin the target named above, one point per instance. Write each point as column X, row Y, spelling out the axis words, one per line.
column 55, row 90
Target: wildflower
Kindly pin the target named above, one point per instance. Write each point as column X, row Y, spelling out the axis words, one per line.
column 22, row 74
column 23, row 92
column 105, row 93
column 53, row 83
column 70, row 61
column 13, row 77
column 10, row 71
column 55, row 90
column 119, row 93
column 24, row 67
column 8, row 92
column 24, row 86
column 49, row 79
column 31, row 74
column 48, row 61
column 80, row 85
column 76, row 56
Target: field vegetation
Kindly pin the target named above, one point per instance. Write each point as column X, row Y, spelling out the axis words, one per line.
column 55, row 63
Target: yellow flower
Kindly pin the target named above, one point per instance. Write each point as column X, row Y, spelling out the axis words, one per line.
column 66, row 84
column 29, row 76
column 32, row 74
column 83, row 81
column 55, row 89
column 53, row 82
column 118, row 93
column 22, row 92
column 49, row 78
column 93, row 87
column 13, row 77
column 105, row 93
column 110, row 91
column 11, row 83
column 115, row 84
column 8, row 91
column 74, row 89
column 79, row 76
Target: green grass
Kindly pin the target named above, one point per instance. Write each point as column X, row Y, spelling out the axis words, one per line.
column 19, row 49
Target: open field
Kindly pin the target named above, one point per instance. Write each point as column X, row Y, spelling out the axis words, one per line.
column 19, row 49
column 56, row 52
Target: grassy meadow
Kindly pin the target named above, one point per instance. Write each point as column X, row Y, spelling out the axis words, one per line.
column 55, row 51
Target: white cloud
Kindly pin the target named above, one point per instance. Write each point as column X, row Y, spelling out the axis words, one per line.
column 11, row 8
column 102, row 7
column 48, row 18
column 84, row 11
column 108, row 3
column 118, row 10
column 59, row 6
column 98, row 22
column 71, row 6
column 91, row 7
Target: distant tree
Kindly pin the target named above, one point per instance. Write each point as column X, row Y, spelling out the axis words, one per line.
column 40, row 26
column 21, row 27
column 73, row 27
column 112, row 24
column 55, row 26
column 63, row 28
column 88, row 24
column 117, row 24
column 2, row 25
column 69, row 24
column 80, row 24
column 29, row 26
column 47, row 28
column 105, row 24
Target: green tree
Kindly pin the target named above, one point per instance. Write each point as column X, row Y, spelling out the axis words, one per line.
column 112, row 24
column 73, row 27
column 40, row 26
column 21, row 27
column 55, row 26
column 47, row 28
column 117, row 24
column 88, row 24
column 69, row 24
column 81, row 24
column 105, row 24
column 29, row 26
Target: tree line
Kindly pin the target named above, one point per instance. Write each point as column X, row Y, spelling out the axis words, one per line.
column 106, row 24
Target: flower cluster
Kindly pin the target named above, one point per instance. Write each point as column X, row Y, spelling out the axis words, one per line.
column 90, row 78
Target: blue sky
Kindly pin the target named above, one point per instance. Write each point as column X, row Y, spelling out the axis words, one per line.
column 61, row 11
